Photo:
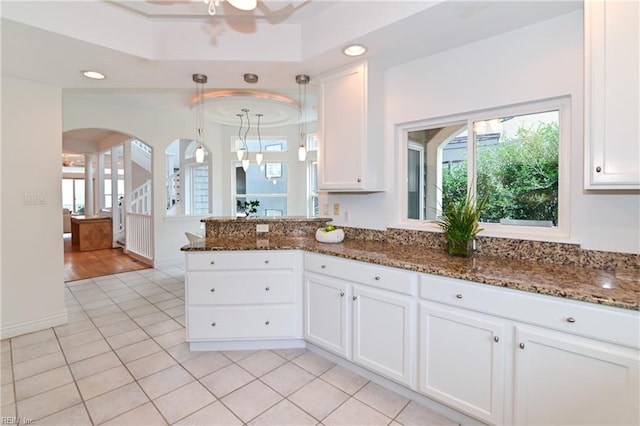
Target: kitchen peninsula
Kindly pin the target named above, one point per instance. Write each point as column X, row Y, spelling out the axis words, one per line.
column 502, row 340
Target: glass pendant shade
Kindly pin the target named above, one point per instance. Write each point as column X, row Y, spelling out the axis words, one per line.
column 302, row 153
column 245, row 165
column 200, row 154
column 259, row 158
column 240, row 154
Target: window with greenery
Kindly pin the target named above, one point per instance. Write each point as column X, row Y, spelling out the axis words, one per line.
column 266, row 183
column 511, row 160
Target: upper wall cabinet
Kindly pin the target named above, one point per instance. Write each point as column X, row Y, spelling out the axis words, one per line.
column 351, row 127
column 612, row 131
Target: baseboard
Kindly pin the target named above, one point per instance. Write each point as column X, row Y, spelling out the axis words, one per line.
column 237, row 345
column 169, row 261
column 34, row 325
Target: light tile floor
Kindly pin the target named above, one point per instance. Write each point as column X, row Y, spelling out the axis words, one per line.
column 122, row 360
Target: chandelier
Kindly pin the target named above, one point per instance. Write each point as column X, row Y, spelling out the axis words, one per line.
column 238, row 4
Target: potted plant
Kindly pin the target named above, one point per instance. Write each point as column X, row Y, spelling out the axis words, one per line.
column 247, row 207
column 460, row 224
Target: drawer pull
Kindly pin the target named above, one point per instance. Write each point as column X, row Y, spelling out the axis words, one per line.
column 377, row 278
column 267, row 323
column 213, row 290
column 342, row 294
column 496, row 339
column 571, row 319
column 213, row 324
column 323, row 266
column 355, row 297
column 459, row 295
column 266, row 289
column 213, row 262
column 521, row 345
column 266, row 261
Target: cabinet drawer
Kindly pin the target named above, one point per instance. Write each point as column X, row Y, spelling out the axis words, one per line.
column 620, row 326
column 372, row 275
column 235, row 287
column 239, row 260
column 226, row 323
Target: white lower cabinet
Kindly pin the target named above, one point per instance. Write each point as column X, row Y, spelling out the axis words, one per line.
column 462, row 356
column 366, row 324
column 242, row 296
column 565, row 379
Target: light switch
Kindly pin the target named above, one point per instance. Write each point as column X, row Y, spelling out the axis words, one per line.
column 336, row 209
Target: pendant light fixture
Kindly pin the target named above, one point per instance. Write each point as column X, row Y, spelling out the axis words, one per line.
column 259, row 154
column 302, row 81
column 243, row 153
column 240, row 151
column 200, row 80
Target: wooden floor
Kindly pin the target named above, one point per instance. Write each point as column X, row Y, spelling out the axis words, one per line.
column 79, row 265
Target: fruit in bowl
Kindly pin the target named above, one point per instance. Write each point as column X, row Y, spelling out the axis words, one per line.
column 329, row 234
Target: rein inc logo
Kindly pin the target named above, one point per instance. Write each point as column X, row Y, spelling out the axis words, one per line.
column 16, row 421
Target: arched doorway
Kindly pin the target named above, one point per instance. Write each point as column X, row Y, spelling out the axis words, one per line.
column 115, row 171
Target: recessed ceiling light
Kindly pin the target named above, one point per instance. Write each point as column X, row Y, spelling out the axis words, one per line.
column 354, row 50
column 95, row 75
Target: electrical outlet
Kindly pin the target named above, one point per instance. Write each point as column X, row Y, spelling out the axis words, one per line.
column 346, row 216
column 262, row 228
column 325, row 209
column 336, row 209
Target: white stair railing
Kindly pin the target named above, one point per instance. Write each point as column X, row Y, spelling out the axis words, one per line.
column 141, row 198
column 139, row 236
column 173, row 190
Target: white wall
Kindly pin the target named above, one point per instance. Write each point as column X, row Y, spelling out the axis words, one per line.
column 32, row 276
column 533, row 63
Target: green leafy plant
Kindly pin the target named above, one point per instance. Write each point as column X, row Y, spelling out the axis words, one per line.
column 460, row 223
column 247, row 207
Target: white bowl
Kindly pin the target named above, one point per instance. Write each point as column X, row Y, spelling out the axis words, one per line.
column 335, row 236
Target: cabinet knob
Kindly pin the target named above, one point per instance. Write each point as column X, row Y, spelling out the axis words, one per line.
column 267, row 323
column 213, row 290
column 267, row 289
column 459, row 296
column 377, row 278
column 496, row 339
column 598, row 169
column 359, row 180
column 342, row 294
column 213, row 262
column 266, row 261
column 521, row 345
column 571, row 319
column 213, row 324
column 323, row 266
column 355, row 297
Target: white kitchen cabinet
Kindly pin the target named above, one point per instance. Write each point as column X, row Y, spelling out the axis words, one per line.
column 242, row 296
column 362, row 312
column 612, row 94
column 462, row 355
column 506, row 356
column 327, row 313
column 566, row 379
column 351, row 129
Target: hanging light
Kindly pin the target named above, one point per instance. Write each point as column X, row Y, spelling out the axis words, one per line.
column 240, row 151
column 302, row 81
column 200, row 80
column 259, row 154
column 245, row 159
column 238, row 4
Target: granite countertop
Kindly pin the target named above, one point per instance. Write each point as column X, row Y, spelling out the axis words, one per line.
column 584, row 284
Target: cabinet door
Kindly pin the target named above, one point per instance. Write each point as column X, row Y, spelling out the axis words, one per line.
column 462, row 360
column 325, row 313
column 342, row 116
column 384, row 333
column 612, row 98
column 565, row 379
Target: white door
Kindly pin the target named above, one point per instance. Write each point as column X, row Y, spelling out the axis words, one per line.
column 462, row 356
column 384, row 333
column 326, row 318
column 566, row 379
